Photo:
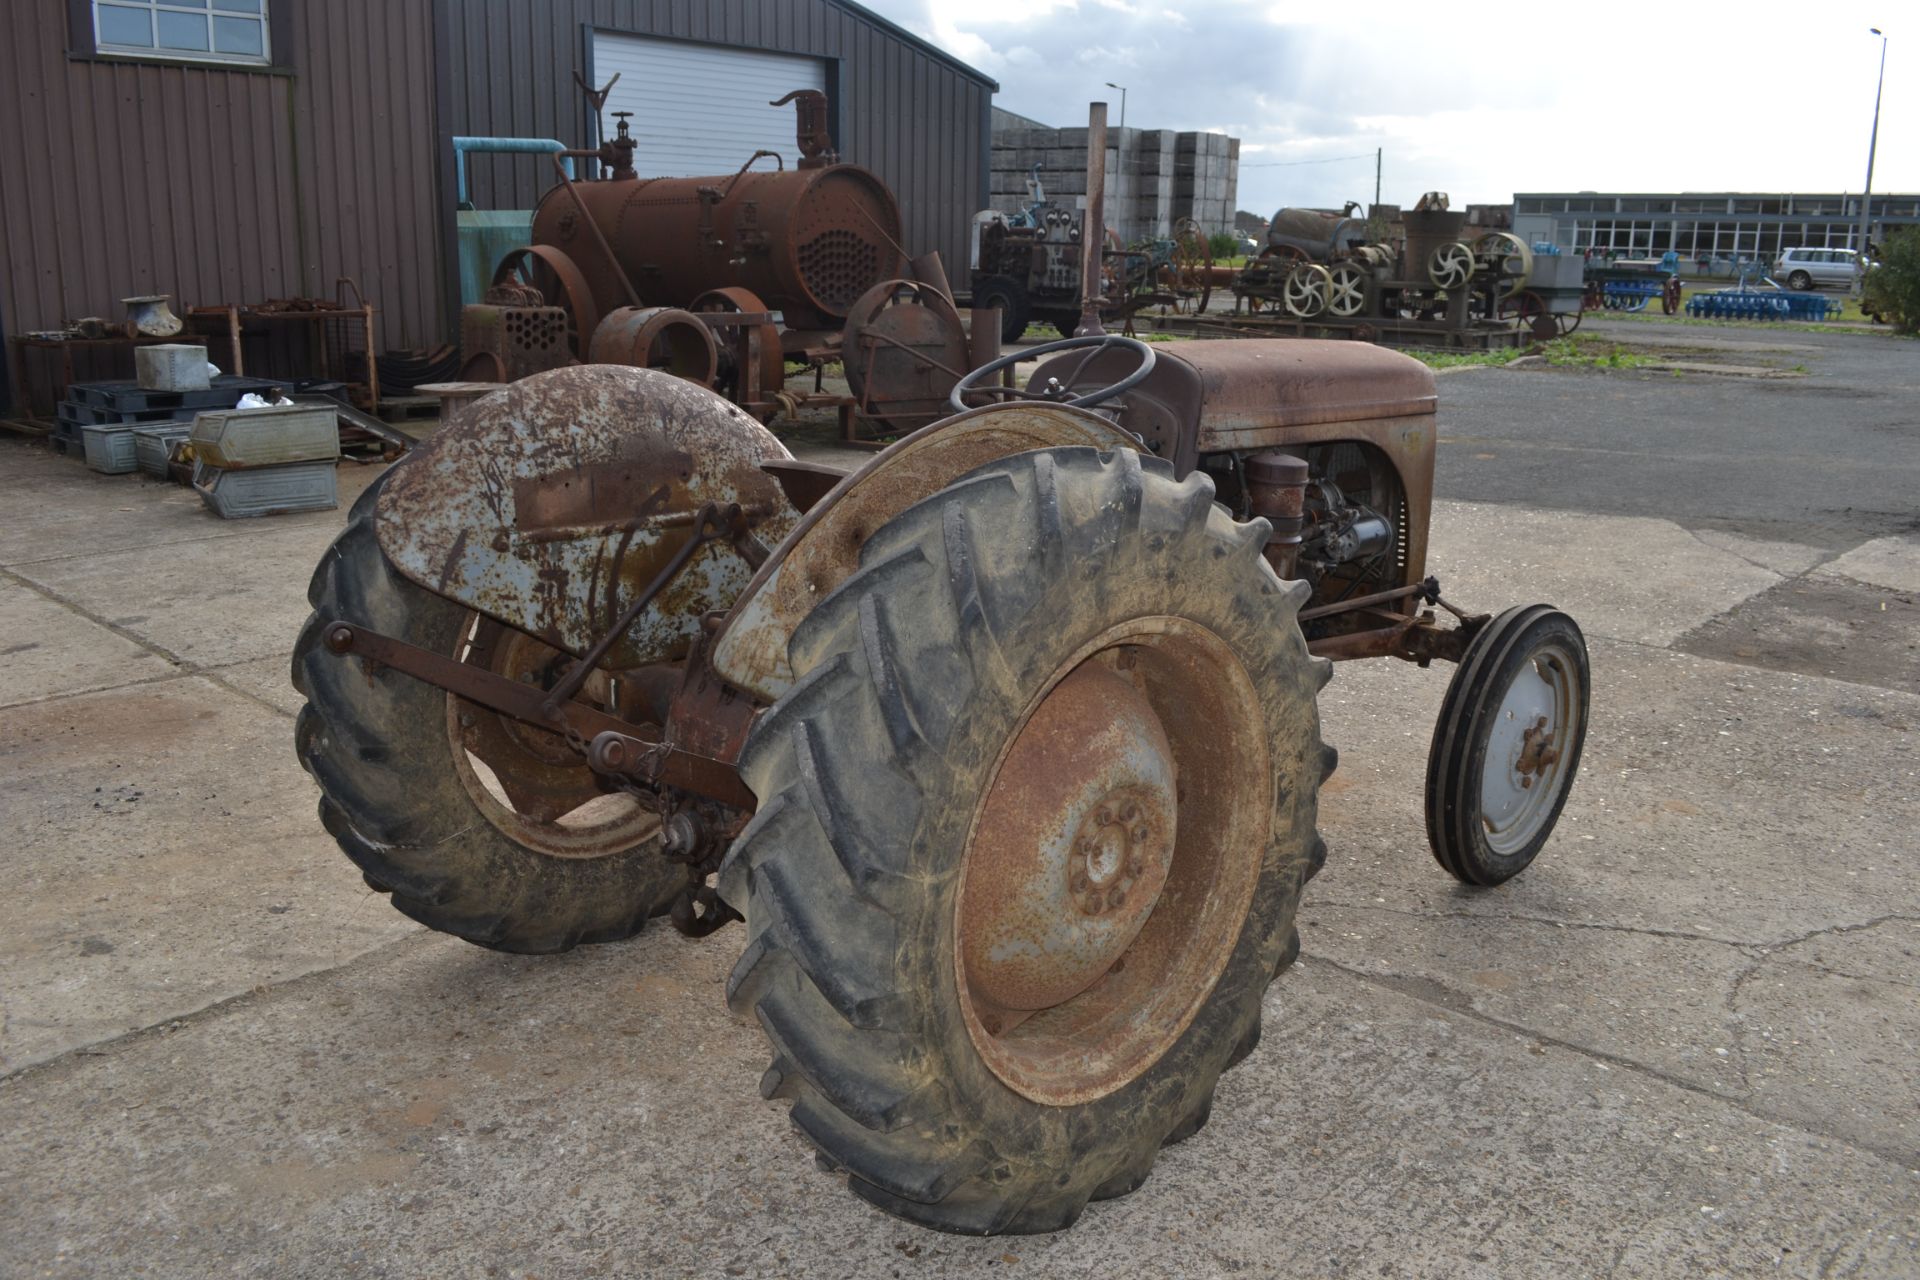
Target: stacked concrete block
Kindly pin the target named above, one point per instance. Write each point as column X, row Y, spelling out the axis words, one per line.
column 1144, row 192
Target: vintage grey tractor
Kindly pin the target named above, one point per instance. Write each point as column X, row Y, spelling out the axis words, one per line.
column 1004, row 746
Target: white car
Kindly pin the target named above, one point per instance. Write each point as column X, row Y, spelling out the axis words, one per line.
column 1807, row 268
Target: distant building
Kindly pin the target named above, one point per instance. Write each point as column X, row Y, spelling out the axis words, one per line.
column 1155, row 177
column 1728, row 225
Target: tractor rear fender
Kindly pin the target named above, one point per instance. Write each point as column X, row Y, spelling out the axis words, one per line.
column 550, row 504
column 824, row 548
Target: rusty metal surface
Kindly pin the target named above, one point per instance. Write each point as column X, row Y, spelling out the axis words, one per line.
column 824, row 548
column 525, row 702
column 554, row 501
column 567, row 288
column 753, row 367
column 904, row 350
column 666, row 338
column 807, row 241
column 1260, row 384
column 1189, row 705
column 1072, row 846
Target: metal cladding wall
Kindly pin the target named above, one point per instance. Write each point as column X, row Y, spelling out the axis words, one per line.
column 912, row 115
column 216, row 184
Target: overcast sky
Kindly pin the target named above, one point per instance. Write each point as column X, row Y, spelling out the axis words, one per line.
column 1477, row 101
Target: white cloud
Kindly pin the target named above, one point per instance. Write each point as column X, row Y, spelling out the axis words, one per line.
column 1636, row 95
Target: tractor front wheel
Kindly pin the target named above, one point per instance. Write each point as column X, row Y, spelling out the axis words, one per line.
column 1507, row 744
column 1034, row 823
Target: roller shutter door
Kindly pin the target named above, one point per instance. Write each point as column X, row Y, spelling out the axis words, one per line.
column 700, row 108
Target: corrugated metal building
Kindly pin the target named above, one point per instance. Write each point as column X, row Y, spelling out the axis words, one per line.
column 263, row 174
column 247, row 149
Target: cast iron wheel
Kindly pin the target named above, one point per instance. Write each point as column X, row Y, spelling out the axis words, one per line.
column 1010, row 296
column 477, row 826
column 1507, row 744
column 1034, row 824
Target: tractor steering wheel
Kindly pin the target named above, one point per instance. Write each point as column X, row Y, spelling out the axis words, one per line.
column 1057, row 392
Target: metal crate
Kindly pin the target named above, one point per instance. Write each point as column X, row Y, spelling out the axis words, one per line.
column 233, row 439
column 153, row 446
column 109, row 449
column 267, row 491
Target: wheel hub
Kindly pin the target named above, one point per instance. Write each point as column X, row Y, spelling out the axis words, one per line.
column 1089, row 925
column 1073, row 846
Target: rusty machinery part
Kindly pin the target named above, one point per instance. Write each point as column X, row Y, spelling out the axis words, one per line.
column 1450, row 266
column 151, row 316
column 476, row 824
column 1319, row 235
column 984, row 380
column 1189, row 271
column 1347, row 288
column 484, row 366
column 1010, row 296
column 1508, row 257
column 904, row 350
column 665, row 338
column 754, row 342
column 517, row 278
column 1374, row 257
column 1670, row 296
column 1507, row 744
column 550, row 504
column 751, row 649
column 1308, row 290
column 972, row 865
column 807, row 241
column 812, row 132
column 1528, row 313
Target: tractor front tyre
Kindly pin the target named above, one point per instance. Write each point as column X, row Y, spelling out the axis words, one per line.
column 1507, row 744
column 1034, row 824
column 475, row 825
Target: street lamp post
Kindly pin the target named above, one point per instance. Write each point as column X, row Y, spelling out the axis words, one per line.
column 1123, row 102
column 1866, row 194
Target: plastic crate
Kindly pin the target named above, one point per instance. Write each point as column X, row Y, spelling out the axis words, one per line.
column 235, row 439
column 266, row 491
column 153, row 446
column 109, row 448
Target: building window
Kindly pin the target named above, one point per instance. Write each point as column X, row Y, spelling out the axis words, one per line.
column 214, row 30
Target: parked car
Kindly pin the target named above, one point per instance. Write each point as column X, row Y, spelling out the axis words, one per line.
column 1806, row 268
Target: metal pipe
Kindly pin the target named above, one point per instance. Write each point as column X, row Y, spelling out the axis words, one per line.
column 1866, row 193
column 463, row 143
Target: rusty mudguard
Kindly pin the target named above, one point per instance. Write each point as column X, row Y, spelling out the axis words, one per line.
column 551, row 503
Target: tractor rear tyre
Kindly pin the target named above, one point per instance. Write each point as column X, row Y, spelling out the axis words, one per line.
column 519, row 852
column 1034, row 823
column 1507, row 745
column 1010, row 296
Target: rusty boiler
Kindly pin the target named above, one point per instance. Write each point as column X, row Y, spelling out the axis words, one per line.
column 806, row 241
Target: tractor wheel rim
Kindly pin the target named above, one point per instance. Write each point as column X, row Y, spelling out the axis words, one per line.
column 1111, row 861
column 1524, row 767
column 527, row 783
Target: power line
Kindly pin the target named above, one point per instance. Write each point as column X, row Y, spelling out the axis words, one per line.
column 1285, row 164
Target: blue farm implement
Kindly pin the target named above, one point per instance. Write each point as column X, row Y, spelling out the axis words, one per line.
column 1758, row 304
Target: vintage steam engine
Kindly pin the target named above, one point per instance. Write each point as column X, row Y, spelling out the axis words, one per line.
column 1326, row 270
column 726, row 281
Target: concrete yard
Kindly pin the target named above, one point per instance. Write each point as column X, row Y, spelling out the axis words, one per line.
column 1684, row 1044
